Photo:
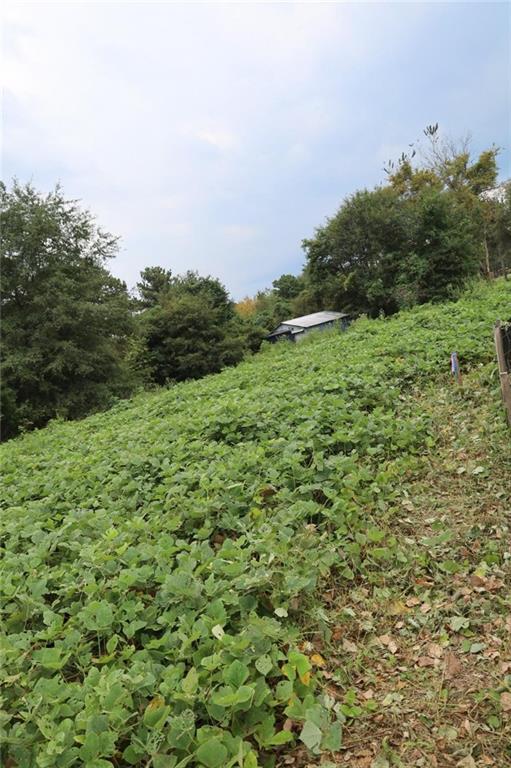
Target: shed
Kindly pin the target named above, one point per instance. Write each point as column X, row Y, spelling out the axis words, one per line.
column 299, row 327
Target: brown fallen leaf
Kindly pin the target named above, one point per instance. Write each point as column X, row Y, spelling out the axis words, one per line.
column 505, row 702
column 452, row 665
column 425, row 608
column 467, row 762
column 392, row 646
column 493, row 584
column 467, row 726
column 425, row 661
column 435, row 651
column 411, row 601
column 349, row 646
column 477, row 581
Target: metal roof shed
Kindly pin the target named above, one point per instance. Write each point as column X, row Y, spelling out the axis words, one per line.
column 298, row 327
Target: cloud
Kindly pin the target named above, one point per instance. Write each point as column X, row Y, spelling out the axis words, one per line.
column 217, row 136
column 221, row 140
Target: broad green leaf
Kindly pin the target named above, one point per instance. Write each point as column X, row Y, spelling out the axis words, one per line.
column 264, row 665
column 156, row 713
column 281, row 737
column 51, row 658
column 311, row 736
column 190, row 683
column 458, row 622
column 212, row 753
column 236, row 673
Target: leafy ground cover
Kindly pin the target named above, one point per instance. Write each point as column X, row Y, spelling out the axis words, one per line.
column 302, row 559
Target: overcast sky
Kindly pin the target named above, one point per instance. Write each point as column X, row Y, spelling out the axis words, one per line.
column 217, row 136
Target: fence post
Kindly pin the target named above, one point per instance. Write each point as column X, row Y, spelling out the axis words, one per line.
column 504, row 373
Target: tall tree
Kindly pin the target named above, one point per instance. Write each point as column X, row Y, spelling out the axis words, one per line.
column 153, row 284
column 190, row 331
column 65, row 318
column 186, row 338
column 416, row 238
column 209, row 289
column 288, row 286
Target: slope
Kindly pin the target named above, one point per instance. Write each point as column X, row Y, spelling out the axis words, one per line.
column 180, row 575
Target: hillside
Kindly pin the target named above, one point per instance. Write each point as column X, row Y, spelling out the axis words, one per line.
column 307, row 551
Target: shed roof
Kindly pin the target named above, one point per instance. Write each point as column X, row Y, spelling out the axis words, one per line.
column 317, row 318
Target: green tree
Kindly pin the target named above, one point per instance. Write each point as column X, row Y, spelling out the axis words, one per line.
column 188, row 337
column 354, row 259
column 497, row 228
column 209, row 289
column 417, row 238
column 154, row 283
column 288, row 286
column 447, row 247
column 65, row 319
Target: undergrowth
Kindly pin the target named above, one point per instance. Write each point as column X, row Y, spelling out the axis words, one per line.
column 174, row 572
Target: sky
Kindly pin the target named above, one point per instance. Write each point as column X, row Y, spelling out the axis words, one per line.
column 217, row 136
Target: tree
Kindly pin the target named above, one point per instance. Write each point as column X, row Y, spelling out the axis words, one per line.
column 354, row 259
column 154, row 283
column 288, row 286
column 209, row 289
column 191, row 330
column 247, row 307
column 446, row 247
column 65, row 319
column 188, row 337
column 497, row 228
column 417, row 238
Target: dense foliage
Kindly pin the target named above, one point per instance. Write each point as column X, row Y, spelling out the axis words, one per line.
column 73, row 340
column 154, row 284
column 383, row 251
column 416, row 238
column 161, row 562
column 65, row 319
column 190, row 328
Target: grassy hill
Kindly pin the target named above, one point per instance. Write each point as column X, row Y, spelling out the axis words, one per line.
column 306, row 554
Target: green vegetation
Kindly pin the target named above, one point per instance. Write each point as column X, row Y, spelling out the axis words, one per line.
column 188, row 579
column 416, row 238
column 66, row 320
column 74, row 341
column 188, row 329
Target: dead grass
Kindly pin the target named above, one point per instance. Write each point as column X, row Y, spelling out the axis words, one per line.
column 424, row 653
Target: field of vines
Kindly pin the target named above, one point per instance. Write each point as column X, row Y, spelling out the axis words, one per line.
column 163, row 565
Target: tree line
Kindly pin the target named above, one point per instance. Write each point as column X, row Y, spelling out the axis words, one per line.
column 74, row 339
column 417, row 237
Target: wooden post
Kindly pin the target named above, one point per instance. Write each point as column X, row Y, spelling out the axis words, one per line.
column 504, row 373
column 487, row 254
